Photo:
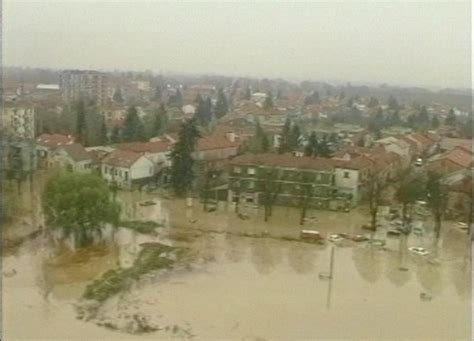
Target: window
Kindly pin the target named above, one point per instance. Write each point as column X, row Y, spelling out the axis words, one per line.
column 251, row 171
column 237, row 170
column 126, row 175
column 251, row 185
column 346, row 175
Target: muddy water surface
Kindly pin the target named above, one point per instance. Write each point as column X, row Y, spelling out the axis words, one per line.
column 246, row 288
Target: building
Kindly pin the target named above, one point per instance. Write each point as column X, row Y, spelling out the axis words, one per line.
column 451, row 161
column 287, row 178
column 46, row 144
column 73, row 157
column 127, row 169
column 75, row 84
column 19, row 120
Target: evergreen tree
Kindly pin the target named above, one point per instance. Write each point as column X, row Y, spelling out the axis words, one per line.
column 133, row 129
column 312, row 147
column 435, row 122
column 81, row 126
column 182, row 162
column 373, row 102
column 294, row 140
column 115, row 136
column 159, row 121
column 118, row 95
column 158, row 93
column 221, row 106
column 268, row 104
column 285, row 137
column 323, row 148
column 393, row 103
column 312, row 99
column 450, row 119
column 248, row 94
column 103, row 136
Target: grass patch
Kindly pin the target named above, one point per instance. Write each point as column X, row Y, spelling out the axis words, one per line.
column 145, row 227
column 113, row 282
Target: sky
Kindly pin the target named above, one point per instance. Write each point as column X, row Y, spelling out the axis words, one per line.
column 422, row 43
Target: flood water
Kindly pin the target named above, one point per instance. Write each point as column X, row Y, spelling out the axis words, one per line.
column 239, row 287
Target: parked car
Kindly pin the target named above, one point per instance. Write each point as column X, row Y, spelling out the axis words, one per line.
column 335, row 238
column 311, row 235
column 419, row 162
column 418, row 251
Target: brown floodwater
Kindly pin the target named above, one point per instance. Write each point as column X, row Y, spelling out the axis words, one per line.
column 238, row 287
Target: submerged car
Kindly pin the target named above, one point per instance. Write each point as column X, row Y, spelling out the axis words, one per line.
column 335, row 238
column 311, row 235
column 461, row 225
column 418, row 251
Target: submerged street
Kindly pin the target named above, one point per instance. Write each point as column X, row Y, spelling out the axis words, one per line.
column 239, row 284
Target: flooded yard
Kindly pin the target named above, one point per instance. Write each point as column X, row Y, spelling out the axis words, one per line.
column 242, row 280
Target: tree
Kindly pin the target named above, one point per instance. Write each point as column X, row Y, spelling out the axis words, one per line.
column 118, row 95
column 103, row 135
column 323, row 148
column 80, row 205
column 158, row 93
column 268, row 103
column 410, row 189
column 450, row 119
column 259, row 142
column 81, row 127
column 437, row 200
column 374, row 192
column 222, row 106
column 160, row 120
column 423, row 117
column 393, row 103
column 272, row 186
column 176, row 100
column 247, row 94
column 312, row 148
column 133, row 128
column 306, row 191
column 312, row 99
column 115, row 136
column 435, row 122
column 294, row 138
column 373, row 102
column 285, row 137
column 203, row 111
column 182, row 162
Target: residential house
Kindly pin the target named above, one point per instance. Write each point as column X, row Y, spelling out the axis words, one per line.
column 72, row 157
column 46, row 144
column 454, row 160
column 397, row 146
column 127, row 169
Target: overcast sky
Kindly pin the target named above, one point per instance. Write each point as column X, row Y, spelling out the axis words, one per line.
column 394, row 42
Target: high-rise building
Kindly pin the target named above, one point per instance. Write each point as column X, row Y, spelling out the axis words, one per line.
column 75, row 84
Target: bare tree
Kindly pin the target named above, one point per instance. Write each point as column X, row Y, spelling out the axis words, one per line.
column 437, row 200
column 374, row 195
column 410, row 189
column 307, row 191
column 271, row 189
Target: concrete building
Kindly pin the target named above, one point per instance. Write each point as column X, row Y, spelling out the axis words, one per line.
column 19, row 120
column 75, row 84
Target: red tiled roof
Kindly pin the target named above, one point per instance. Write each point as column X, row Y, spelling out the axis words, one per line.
column 284, row 160
column 121, row 158
column 54, row 140
column 77, row 152
column 145, row 147
column 460, row 157
column 215, row 142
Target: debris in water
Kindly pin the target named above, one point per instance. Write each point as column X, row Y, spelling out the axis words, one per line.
column 425, row 297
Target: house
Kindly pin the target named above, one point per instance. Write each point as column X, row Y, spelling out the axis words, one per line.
column 127, row 169
column 46, row 144
column 397, row 146
column 156, row 151
column 211, row 150
column 72, row 157
column 351, row 176
column 454, row 160
column 287, row 178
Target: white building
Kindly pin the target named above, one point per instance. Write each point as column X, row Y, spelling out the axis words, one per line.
column 19, row 121
column 72, row 157
column 126, row 168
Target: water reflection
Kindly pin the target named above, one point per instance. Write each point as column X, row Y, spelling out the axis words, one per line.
column 265, row 255
column 368, row 262
column 302, row 257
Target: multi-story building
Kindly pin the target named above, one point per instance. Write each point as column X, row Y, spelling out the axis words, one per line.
column 75, row 84
column 19, row 121
column 287, row 179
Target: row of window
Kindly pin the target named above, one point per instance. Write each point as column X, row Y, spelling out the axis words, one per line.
column 115, row 172
column 289, row 175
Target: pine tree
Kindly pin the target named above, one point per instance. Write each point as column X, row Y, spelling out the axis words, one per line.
column 81, row 126
column 450, row 119
column 182, row 162
column 118, row 95
column 435, row 122
column 312, row 147
column 268, row 104
column 323, row 148
column 221, row 105
column 103, row 135
column 115, row 136
column 393, row 103
column 285, row 137
column 159, row 121
column 294, row 140
column 133, row 129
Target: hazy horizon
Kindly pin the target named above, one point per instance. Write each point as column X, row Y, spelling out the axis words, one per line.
column 410, row 44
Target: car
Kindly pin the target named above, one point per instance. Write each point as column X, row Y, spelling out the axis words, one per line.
column 393, row 232
column 418, row 251
column 310, row 235
column 419, row 162
column 358, row 238
column 335, row 238
column 461, row 225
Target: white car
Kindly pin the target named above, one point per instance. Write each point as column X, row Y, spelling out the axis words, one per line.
column 461, row 225
column 418, row 251
column 419, row 162
column 335, row 238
